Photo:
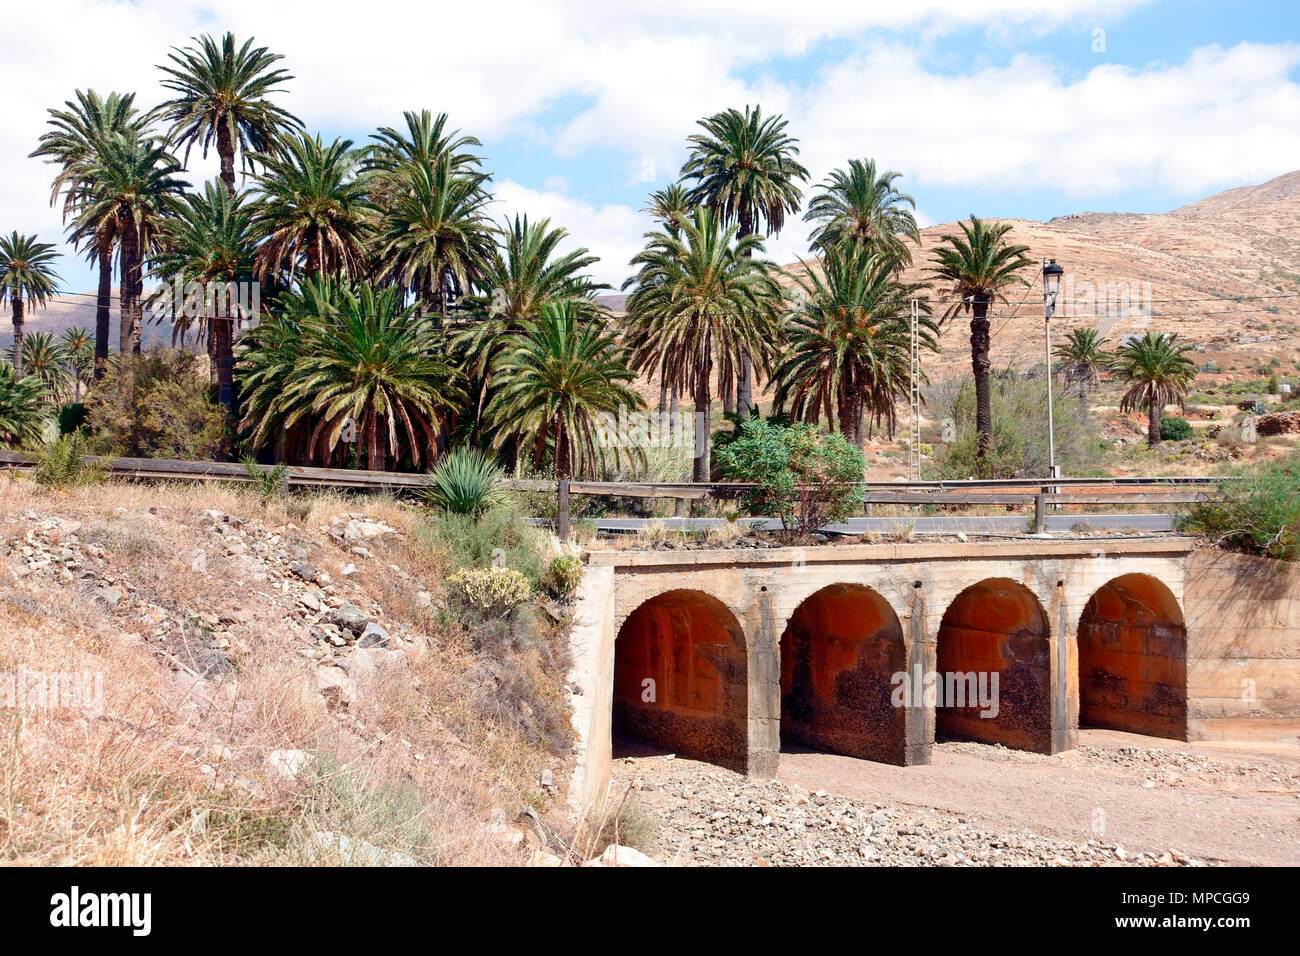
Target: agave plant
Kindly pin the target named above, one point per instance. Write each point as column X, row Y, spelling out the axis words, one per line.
column 465, row 482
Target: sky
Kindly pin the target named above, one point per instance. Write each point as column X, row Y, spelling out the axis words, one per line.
column 1008, row 108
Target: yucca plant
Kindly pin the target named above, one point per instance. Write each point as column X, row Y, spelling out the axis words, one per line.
column 465, row 482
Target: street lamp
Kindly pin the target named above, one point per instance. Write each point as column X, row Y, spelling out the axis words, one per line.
column 1051, row 286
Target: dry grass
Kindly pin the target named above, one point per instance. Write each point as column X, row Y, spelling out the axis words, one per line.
column 173, row 769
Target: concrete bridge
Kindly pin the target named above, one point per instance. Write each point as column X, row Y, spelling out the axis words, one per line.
column 869, row 650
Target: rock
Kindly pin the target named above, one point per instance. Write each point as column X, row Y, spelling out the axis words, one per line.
column 108, row 597
column 616, row 855
column 542, row 858
column 349, row 617
column 370, row 665
column 304, row 570
column 328, row 846
column 287, row 764
column 375, row 636
column 334, row 685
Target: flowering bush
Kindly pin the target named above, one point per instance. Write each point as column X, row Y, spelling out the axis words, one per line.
column 491, row 589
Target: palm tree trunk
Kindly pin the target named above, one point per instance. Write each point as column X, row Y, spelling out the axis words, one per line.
column 563, row 467
column 102, row 313
column 374, row 443
column 980, row 365
column 745, row 378
column 224, row 353
column 703, row 423
column 129, row 269
column 226, row 150
column 18, row 334
column 1154, row 409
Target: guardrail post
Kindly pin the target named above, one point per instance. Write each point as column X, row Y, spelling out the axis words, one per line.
column 1040, row 508
column 562, row 511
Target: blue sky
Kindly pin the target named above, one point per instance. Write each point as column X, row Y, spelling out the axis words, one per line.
column 997, row 107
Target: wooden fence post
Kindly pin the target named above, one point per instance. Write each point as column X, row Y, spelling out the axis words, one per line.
column 562, row 512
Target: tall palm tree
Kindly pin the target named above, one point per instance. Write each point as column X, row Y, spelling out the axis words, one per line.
column 129, row 186
column 210, row 239
column 1159, row 373
column 312, row 204
column 744, row 168
column 222, row 94
column 979, row 266
column 76, row 134
column 849, row 351
column 1083, row 353
column 426, row 142
column 27, row 279
column 702, row 301
column 365, row 362
column 434, row 238
column 79, row 354
column 524, row 275
column 669, row 204
column 859, row 205
column 23, row 411
column 43, row 357
column 558, row 375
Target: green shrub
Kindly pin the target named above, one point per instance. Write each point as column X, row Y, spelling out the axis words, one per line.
column 1175, row 428
column 267, row 480
column 1019, row 448
column 464, row 482
column 22, row 408
column 1259, row 514
column 58, row 464
column 71, row 417
column 805, row 478
column 498, row 536
column 167, row 414
column 564, row 575
column 493, row 590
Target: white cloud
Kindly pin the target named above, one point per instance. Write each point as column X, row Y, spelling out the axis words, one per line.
column 612, row 231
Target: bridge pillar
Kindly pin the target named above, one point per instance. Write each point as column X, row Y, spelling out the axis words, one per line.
column 1063, row 653
column 764, row 756
column 918, row 717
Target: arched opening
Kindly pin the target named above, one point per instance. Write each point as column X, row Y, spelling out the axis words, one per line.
column 1133, row 659
column 680, row 681
column 993, row 680
column 839, row 653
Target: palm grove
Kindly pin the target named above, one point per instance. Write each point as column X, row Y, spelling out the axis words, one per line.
column 400, row 319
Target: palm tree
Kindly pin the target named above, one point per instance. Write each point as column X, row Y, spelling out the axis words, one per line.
column 222, row 95
column 556, row 377
column 26, row 279
column 849, row 351
column 524, row 275
column 22, row 408
column 313, row 205
column 79, row 353
column 77, row 133
column 979, row 265
column 744, row 169
column 702, row 301
column 425, row 142
column 1158, row 372
column 43, row 357
column 210, row 240
column 434, row 238
column 1084, row 356
column 127, row 188
column 669, row 204
column 861, row 206
column 364, row 362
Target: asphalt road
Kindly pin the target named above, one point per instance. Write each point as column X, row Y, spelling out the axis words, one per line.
column 943, row 524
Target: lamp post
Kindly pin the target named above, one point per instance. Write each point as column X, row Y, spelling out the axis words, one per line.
column 1051, row 286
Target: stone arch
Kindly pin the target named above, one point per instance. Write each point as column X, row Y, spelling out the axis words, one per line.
column 680, row 680
column 840, row 651
column 993, row 667
column 1133, row 658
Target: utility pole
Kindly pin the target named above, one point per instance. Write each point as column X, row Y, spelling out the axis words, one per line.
column 914, row 454
column 1051, row 285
